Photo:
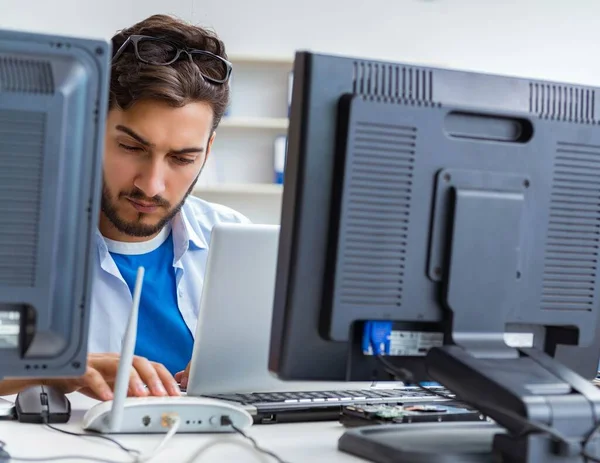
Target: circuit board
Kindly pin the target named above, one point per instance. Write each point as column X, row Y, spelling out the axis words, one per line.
column 363, row 415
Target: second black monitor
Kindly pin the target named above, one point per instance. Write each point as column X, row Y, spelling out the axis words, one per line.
column 381, row 156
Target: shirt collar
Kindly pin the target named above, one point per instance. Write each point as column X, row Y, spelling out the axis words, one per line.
column 187, row 229
column 186, row 235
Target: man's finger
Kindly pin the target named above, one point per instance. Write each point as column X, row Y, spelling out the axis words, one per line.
column 168, row 381
column 107, row 366
column 185, row 377
column 149, row 376
column 136, row 385
column 95, row 383
column 178, row 376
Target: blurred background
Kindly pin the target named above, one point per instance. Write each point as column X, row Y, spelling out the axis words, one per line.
column 544, row 39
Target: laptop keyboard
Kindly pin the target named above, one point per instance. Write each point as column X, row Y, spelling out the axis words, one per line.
column 372, row 395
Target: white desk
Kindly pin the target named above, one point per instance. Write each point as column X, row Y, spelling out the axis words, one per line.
column 294, row 443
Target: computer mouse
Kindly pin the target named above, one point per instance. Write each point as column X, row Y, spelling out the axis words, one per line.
column 153, row 415
column 42, row 404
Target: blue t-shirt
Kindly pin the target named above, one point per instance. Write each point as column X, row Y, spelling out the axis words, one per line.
column 162, row 335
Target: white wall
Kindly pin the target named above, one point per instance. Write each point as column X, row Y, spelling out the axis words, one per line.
column 556, row 39
column 549, row 39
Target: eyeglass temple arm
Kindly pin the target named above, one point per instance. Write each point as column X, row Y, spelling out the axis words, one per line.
column 121, row 49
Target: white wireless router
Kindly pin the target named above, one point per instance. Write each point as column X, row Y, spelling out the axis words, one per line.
column 156, row 414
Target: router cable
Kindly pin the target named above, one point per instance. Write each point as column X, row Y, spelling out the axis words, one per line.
column 173, row 422
column 257, row 450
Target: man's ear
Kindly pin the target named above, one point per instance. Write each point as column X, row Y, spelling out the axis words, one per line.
column 209, row 145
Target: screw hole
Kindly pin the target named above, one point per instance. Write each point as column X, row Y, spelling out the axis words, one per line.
column 518, row 275
column 437, row 271
column 99, row 51
column 76, row 364
column 526, row 183
column 447, row 177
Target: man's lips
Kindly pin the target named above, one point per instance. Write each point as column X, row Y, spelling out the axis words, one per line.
column 142, row 206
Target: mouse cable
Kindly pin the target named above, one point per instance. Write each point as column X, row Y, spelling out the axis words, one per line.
column 132, row 452
column 257, row 449
column 173, row 421
column 529, row 427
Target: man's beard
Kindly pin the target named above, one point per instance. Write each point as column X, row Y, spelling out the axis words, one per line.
column 136, row 227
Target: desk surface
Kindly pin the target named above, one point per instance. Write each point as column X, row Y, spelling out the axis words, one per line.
column 293, row 443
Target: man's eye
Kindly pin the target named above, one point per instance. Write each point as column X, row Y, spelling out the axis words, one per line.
column 183, row 161
column 130, row 148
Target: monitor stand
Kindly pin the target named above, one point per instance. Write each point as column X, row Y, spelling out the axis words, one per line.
column 451, row 442
column 519, row 393
column 520, row 389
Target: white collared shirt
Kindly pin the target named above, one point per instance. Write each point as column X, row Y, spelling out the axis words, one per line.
column 111, row 298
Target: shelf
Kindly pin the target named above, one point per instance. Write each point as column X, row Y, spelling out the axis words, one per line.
column 273, row 123
column 250, row 59
column 241, row 189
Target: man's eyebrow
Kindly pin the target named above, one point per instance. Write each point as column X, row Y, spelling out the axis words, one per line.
column 188, row 150
column 144, row 142
column 132, row 134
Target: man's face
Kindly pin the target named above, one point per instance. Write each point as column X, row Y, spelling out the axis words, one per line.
column 153, row 156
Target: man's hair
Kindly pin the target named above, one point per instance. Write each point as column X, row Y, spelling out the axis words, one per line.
column 177, row 84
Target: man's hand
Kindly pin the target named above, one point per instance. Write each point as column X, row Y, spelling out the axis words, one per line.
column 98, row 381
column 183, row 377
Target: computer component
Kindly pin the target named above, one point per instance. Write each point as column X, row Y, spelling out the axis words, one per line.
column 147, row 415
column 458, row 206
column 158, row 414
column 237, row 304
column 289, row 407
column 53, row 102
column 366, row 415
column 42, row 404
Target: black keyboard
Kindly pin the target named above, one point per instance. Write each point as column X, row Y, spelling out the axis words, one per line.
column 329, row 398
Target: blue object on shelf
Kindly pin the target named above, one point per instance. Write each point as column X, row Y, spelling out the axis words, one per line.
column 279, row 151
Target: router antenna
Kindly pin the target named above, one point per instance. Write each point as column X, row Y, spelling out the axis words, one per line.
column 126, row 360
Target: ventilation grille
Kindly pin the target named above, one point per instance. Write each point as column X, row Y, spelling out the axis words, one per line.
column 570, row 104
column 385, row 81
column 25, row 76
column 571, row 259
column 378, row 196
column 21, row 158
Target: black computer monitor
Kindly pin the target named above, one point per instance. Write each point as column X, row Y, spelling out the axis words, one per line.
column 459, row 206
column 53, row 103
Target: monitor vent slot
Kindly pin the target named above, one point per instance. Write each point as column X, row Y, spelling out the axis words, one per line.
column 378, row 198
column 25, row 76
column 384, row 81
column 572, row 244
column 21, row 161
column 563, row 103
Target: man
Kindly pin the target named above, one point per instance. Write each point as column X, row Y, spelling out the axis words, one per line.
column 168, row 91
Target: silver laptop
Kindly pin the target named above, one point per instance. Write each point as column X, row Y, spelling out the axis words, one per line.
column 231, row 347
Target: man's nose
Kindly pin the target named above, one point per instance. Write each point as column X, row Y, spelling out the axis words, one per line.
column 152, row 179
